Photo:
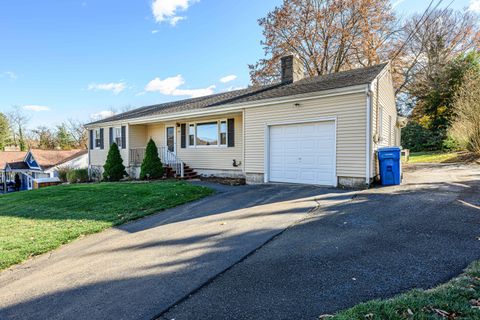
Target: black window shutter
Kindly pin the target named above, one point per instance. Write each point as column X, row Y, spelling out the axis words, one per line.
column 110, row 134
column 183, row 135
column 124, row 137
column 231, row 132
column 91, row 139
column 101, row 139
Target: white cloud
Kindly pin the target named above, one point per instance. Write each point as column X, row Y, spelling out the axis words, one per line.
column 474, row 5
column 166, row 10
column 10, row 75
column 170, row 87
column 176, row 20
column 154, row 31
column 36, row 108
column 229, row 78
column 101, row 115
column 115, row 87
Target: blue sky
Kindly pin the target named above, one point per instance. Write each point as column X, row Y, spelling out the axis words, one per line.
column 73, row 59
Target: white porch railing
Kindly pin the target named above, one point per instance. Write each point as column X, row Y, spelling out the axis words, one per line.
column 167, row 157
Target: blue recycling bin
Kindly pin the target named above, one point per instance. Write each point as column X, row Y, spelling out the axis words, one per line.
column 390, row 166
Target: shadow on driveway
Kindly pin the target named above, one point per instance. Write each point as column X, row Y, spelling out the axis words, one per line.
column 383, row 242
column 140, row 269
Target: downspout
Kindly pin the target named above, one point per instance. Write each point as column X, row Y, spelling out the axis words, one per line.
column 378, row 130
column 369, row 135
column 243, row 142
column 89, row 159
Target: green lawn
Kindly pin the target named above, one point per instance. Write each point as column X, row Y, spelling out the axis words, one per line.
column 457, row 299
column 432, row 157
column 34, row 222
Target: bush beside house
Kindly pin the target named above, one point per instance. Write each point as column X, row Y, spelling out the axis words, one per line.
column 114, row 170
column 77, row 176
column 152, row 167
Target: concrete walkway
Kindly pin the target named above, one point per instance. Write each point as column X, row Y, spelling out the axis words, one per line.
column 383, row 242
column 140, row 269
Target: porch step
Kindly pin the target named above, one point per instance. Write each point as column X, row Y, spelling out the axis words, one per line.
column 188, row 173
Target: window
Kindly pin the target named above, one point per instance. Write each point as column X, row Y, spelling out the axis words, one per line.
column 223, row 133
column 98, row 143
column 117, row 136
column 208, row 134
column 191, row 135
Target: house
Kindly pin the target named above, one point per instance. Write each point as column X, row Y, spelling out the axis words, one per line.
column 322, row 130
column 37, row 164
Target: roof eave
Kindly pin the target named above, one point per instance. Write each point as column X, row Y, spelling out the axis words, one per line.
column 234, row 107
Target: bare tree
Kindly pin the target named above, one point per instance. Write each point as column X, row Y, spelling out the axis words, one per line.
column 77, row 131
column 44, row 138
column 18, row 121
column 427, row 43
column 327, row 35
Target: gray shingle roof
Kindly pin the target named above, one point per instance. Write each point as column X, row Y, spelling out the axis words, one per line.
column 18, row 165
column 315, row 84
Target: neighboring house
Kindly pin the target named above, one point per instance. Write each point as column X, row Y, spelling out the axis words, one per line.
column 322, row 130
column 38, row 164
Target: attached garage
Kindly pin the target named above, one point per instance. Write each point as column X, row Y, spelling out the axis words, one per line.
column 302, row 153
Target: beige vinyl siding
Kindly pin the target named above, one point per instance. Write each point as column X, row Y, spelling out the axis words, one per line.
column 99, row 156
column 384, row 101
column 209, row 158
column 350, row 111
column 212, row 158
column 157, row 133
column 137, row 136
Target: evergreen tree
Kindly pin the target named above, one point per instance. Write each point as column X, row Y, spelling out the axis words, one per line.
column 152, row 167
column 114, row 170
column 4, row 131
column 64, row 138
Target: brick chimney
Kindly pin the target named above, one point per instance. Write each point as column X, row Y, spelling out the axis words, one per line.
column 292, row 69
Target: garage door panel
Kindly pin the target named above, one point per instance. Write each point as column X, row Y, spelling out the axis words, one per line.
column 303, row 153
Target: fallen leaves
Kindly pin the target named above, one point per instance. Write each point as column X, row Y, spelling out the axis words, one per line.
column 444, row 314
column 475, row 303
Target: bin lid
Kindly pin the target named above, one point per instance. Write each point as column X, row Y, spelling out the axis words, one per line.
column 389, row 149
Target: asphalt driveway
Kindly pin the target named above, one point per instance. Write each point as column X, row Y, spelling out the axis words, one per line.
column 381, row 243
column 141, row 269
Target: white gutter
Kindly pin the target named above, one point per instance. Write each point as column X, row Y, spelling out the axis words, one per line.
column 233, row 107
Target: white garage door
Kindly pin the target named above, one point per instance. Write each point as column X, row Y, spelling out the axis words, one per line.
column 303, row 153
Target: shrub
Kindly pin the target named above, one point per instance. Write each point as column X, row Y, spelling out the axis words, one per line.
column 152, row 167
column 62, row 173
column 114, row 170
column 77, row 176
column 466, row 125
column 418, row 138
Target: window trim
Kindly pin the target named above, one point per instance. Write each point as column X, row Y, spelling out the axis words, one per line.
column 218, row 145
column 115, row 137
column 95, row 146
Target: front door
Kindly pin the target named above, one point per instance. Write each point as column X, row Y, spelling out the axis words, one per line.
column 171, row 139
